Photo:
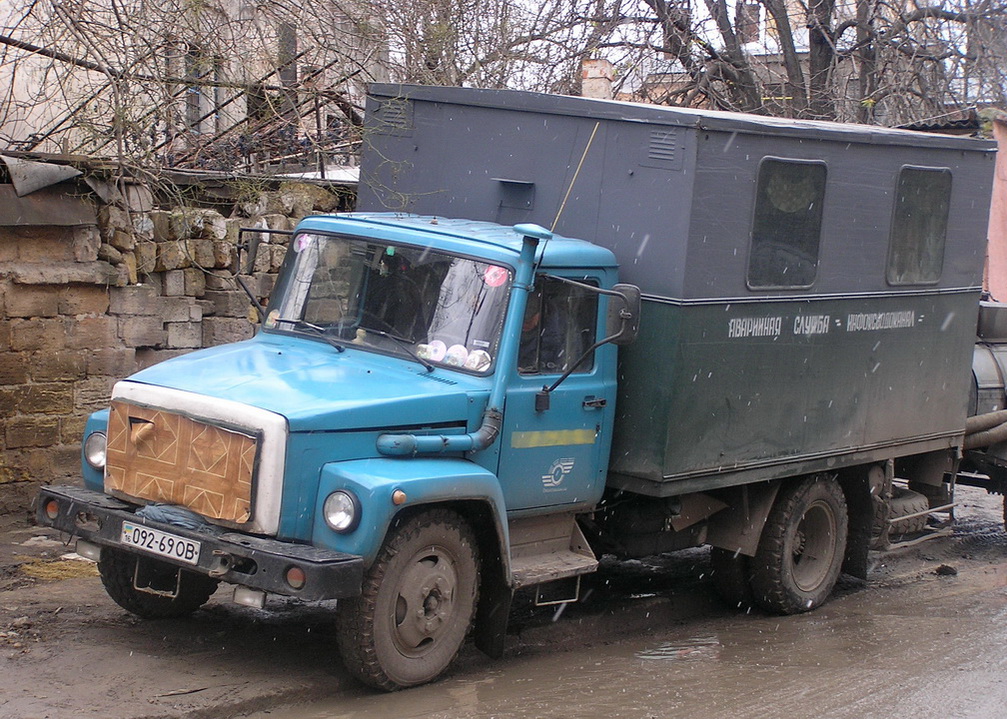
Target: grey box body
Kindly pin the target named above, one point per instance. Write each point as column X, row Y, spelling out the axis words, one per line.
column 671, row 193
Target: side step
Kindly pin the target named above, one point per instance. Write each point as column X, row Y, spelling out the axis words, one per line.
column 547, row 548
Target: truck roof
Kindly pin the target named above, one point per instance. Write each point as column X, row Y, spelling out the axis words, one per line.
column 675, row 116
column 498, row 242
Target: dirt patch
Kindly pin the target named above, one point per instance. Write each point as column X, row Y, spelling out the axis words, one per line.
column 59, row 569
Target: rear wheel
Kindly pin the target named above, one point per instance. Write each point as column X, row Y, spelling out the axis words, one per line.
column 118, row 569
column 417, row 603
column 802, row 546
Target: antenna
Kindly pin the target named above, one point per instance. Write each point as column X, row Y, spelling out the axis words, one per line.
column 575, row 174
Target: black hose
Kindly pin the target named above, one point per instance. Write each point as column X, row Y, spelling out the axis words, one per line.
column 982, row 422
column 986, row 437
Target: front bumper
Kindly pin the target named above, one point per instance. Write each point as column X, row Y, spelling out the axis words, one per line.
column 248, row 560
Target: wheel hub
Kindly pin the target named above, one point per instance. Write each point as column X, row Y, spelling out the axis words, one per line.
column 799, row 543
column 424, row 605
column 813, row 546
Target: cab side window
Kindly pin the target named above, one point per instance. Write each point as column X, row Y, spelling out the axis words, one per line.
column 919, row 226
column 559, row 325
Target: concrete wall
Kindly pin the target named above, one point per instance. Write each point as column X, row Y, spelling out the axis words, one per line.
column 996, row 259
column 90, row 292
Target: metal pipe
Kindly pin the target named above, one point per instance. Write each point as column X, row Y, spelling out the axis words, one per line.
column 924, row 513
column 408, row 445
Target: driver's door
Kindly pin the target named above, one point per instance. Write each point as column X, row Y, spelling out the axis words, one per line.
column 553, row 456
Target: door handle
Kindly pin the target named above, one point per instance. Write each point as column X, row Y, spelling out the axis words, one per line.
column 594, row 402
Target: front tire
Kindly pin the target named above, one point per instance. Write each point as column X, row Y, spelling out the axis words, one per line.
column 416, row 606
column 802, row 546
column 117, row 569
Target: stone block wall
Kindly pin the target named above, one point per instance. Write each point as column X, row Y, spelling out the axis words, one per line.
column 125, row 286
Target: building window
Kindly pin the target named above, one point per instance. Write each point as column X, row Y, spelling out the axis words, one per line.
column 787, row 224
column 200, row 92
column 286, row 54
column 919, row 226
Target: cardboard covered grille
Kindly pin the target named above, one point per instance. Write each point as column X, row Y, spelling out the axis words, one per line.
column 164, row 457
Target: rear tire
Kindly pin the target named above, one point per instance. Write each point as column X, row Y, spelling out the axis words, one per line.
column 802, row 547
column 117, row 569
column 416, row 606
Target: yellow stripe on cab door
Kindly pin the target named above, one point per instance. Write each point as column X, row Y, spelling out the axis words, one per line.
column 552, row 438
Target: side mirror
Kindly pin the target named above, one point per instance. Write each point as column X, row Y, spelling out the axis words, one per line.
column 622, row 323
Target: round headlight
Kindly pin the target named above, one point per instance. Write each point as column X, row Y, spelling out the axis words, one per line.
column 342, row 511
column 94, row 450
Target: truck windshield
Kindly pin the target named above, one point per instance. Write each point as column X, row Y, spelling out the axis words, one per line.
column 439, row 308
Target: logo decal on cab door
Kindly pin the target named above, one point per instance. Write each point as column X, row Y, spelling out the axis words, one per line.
column 557, row 473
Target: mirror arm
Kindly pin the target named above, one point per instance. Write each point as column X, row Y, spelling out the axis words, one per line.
column 542, row 396
column 578, row 363
column 259, row 309
column 586, row 286
column 250, row 248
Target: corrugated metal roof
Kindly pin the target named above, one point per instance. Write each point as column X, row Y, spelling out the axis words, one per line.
column 958, row 122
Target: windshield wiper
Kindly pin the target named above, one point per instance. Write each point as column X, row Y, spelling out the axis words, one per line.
column 404, row 344
column 322, row 331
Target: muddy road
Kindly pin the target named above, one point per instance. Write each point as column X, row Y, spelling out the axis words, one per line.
column 925, row 637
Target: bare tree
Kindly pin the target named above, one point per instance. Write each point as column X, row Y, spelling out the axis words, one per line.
column 885, row 61
column 220, row 83
column 228, row 84
column 495, row 43
column 184, row 82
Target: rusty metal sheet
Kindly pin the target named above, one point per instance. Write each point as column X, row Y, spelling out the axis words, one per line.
column 164, row 457
column 27, row 176
column 44, row 207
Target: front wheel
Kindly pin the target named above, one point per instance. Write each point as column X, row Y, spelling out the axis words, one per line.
column 802, row 547
column 191, row 590
column 416, row 605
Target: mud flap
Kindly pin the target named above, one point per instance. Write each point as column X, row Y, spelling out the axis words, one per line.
column 738, row 528
column 492, row 614
column 860, row 510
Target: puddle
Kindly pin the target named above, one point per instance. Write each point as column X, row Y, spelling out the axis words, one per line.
column 888, row 654
column 697, row 649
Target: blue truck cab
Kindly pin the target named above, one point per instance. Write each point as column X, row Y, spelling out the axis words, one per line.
column 426, row 408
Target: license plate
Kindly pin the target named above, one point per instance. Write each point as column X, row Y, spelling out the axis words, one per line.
column 157, row 542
